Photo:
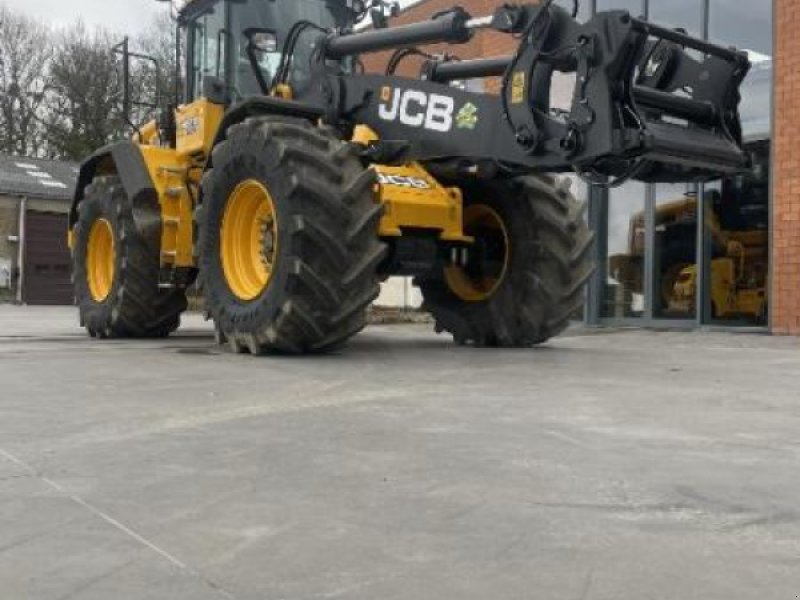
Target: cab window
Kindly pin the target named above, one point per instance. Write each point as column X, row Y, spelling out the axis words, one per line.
column 278, row 17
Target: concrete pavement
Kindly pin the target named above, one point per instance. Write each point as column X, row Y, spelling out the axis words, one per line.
column 628, row 465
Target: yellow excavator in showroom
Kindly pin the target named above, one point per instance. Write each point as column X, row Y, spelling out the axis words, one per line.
column 736, row 224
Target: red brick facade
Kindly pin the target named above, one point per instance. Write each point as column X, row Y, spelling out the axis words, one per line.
column 485, row 44
column 786, row 172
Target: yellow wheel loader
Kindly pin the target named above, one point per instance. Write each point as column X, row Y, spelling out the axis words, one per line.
column 291, row 182
column 736, row 222
column 732, row 294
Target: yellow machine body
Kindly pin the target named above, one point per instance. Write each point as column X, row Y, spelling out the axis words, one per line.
column 746, row 249
column 197, row 124
column 175, row 171
column 169, row 171
column 412, row 197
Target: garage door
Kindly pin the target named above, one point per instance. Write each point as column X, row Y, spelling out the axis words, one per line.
column 47, row 260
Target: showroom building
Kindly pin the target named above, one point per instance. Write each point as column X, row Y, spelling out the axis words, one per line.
column 725, row 253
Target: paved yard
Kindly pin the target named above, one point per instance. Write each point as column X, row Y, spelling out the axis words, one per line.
column 609, row 466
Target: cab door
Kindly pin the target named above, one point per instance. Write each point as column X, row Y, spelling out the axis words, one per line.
column 208, row 47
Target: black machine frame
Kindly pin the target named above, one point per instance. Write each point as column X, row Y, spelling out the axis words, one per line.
column 650, row 103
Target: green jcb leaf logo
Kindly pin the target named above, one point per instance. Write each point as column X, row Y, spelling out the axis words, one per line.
column 467, row 117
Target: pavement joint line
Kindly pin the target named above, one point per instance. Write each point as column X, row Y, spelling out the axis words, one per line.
column 111, row 521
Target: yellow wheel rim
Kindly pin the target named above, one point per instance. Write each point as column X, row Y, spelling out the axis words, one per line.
column 481, row 277
column 249, row 240
column 100, row 260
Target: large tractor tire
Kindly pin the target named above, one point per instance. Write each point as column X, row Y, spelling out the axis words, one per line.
column 115, row 271
column 526, row 273
column 289, row 238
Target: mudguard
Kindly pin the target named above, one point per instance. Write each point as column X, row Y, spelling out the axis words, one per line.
column 124, row 159
column 264, row 106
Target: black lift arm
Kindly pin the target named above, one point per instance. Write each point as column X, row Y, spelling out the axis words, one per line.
column 649, row 103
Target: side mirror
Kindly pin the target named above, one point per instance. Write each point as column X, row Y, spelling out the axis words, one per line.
column 262, row 40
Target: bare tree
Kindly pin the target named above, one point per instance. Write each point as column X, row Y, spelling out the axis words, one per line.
column 83, row 101
column 24, row 55
column 159, row 43
column 61, row 94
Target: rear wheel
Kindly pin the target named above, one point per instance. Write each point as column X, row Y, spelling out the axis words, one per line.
column 526, row 272
column 115, row 272
column 289, row 238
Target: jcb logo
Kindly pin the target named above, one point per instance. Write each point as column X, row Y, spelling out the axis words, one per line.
column 417, row 109
column 403, row 181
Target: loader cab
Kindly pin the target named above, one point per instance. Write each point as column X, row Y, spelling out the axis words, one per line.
column 216, row 43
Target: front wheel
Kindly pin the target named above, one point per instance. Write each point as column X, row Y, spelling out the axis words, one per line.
column 526, row 272
column 289, row 238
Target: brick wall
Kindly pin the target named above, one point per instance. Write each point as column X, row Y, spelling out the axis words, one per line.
column 485, row 44
column 786, row 172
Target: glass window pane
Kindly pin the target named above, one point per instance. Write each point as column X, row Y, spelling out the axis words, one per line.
column 624, row 285
column 748, row 25
column 756, row 106
column 683, row 14
column 737, row 243
column 277, row 16
column 674, row 296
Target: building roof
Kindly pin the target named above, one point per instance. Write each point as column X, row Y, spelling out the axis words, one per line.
column 37, row 178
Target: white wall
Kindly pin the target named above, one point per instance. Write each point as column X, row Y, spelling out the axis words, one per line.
column 399, row 292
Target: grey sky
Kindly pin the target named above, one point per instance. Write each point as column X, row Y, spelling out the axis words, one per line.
column 117, row 15
column 741, row 22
